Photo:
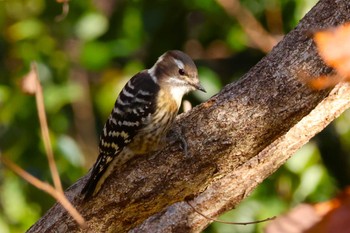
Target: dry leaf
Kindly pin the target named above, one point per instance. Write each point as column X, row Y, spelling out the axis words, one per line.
column 323, row 82
column 29, row 81
column 334, row 47
column 326, row 217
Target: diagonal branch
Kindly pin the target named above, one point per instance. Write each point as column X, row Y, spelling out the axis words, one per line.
column 234, row 186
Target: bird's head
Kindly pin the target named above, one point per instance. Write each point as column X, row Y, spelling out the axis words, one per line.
column 176, row 71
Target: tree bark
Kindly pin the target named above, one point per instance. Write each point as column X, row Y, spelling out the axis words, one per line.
column 235, row 140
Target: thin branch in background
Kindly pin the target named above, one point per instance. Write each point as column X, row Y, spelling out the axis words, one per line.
column 31, row 85
column 34, row 78
column 227, row 222
column 59, row 196
column 253, row 29
column 84, row 119
column 274, row 19
column 65, row 10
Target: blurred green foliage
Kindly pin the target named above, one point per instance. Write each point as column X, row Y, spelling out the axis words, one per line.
column 85, row 59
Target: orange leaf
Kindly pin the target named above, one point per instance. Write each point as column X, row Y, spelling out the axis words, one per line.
column 323, row 82
column 334, row 48
column 325, row 217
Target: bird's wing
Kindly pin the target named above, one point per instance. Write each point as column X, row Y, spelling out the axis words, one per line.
column 135, row 103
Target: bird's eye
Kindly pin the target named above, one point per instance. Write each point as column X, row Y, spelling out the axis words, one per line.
column 181, row 71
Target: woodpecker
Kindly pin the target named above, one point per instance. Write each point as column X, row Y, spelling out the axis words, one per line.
column 142, row 115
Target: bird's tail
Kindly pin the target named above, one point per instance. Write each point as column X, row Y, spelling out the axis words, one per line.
column 97, row 174
column 101, row 170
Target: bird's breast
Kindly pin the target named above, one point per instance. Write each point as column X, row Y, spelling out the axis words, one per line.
column 156, row 126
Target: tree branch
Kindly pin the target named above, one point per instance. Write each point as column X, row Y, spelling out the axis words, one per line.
column 235, row 140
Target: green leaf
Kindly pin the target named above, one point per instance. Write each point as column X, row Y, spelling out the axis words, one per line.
column 26, row 29
column 70, row 150
column 95, row 55
column 91, row 25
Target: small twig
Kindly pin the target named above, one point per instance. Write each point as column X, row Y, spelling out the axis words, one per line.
column 227, row 222
column 60, row 197
column 65, row 10
column 31, row 85
column 45, row 130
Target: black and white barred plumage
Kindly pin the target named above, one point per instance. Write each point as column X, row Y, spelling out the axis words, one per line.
column 143, row 113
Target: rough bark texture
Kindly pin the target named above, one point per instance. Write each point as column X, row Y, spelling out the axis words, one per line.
column 236, row 139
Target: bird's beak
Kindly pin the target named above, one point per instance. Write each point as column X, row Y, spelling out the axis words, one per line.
column 199, row 86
